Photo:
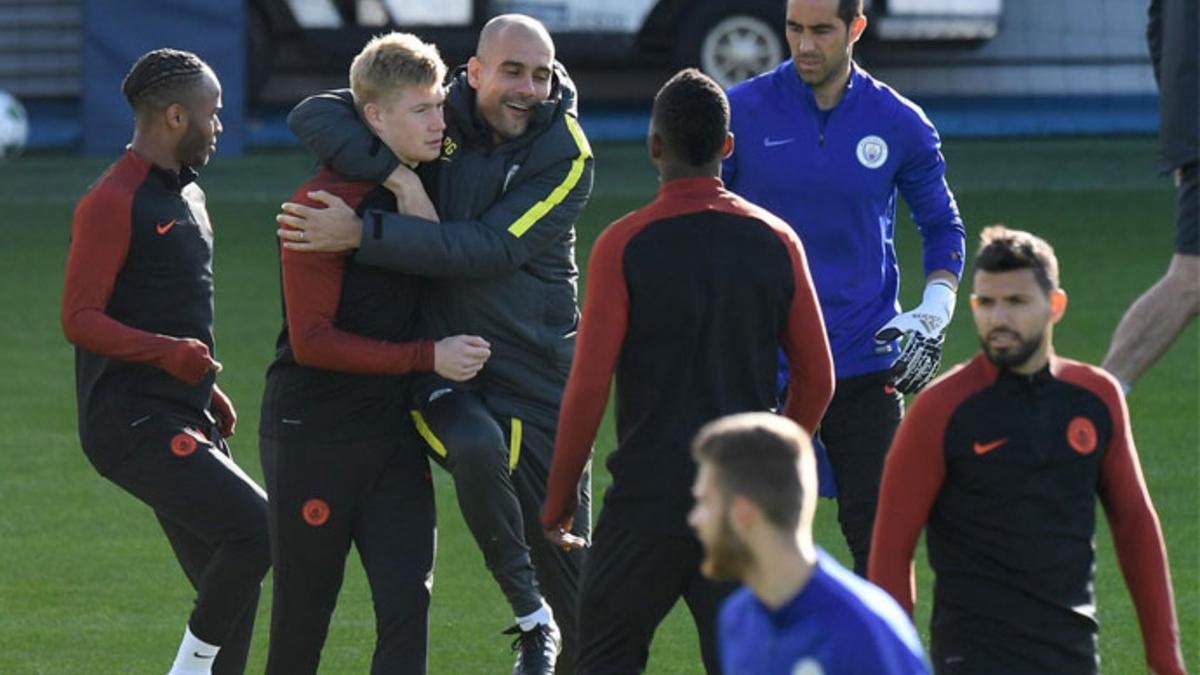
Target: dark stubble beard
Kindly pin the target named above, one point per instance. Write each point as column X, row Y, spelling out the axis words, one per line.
column 193, row 148
column 1013, row 357
column 728, row 558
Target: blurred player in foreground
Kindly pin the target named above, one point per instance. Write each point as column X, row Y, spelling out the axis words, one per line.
column 800, row 611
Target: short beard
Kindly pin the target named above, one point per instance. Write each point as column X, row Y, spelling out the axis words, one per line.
column 834, row 71
column 193, row 148
column 728, row 558
column 1013, row 357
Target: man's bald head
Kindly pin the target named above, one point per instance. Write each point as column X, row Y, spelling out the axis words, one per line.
column 512, row 73
column 525, row 26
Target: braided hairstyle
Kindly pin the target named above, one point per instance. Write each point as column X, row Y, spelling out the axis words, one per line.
column 162, row 77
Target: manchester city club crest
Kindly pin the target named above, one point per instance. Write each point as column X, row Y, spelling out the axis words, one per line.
column 872, row 152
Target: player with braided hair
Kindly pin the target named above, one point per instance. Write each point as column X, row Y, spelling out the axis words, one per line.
column 137, row 305
column 161, row 77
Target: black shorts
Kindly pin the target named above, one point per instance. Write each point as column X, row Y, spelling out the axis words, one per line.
column 1187, row 211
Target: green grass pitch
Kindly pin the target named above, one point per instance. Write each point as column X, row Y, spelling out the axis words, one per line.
column 88, row 584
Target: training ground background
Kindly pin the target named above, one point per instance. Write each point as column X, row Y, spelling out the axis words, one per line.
column 88, row 583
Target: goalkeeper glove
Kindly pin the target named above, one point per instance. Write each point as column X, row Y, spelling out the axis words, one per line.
column 923, row 330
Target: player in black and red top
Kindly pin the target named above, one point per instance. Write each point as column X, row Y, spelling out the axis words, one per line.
column 1000, row 461
column 688, row 301
column 344, row 463
column 138, row 306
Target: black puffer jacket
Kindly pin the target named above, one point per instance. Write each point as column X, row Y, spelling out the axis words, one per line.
column 503, row 257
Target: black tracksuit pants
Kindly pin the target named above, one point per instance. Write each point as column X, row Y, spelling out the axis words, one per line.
column 215, row 518
column 857, row 431
column 632, row 580
column 500, row 466
column 376, row 494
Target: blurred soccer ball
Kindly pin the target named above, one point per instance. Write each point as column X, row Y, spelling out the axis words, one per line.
column 14, row 126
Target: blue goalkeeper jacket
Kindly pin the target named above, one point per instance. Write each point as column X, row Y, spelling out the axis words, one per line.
column 833, row 176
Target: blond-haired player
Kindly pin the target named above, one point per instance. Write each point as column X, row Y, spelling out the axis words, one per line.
column 342, row 461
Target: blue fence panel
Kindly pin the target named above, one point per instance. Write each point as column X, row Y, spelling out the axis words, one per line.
column 117, row 32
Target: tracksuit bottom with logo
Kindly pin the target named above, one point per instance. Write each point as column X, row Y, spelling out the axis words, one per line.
column 500, row 466
column 215, row 518
column 857, row 430
column 376, row 494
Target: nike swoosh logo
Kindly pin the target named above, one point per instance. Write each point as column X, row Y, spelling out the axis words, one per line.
column 985, row 448
column 198, row 654
column 768, row 143
column 165, row 227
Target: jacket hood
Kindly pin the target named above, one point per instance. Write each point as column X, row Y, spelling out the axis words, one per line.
column 460, row 105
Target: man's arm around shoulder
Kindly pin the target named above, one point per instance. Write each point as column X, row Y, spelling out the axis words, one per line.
column 539, row 207
column 328, row 124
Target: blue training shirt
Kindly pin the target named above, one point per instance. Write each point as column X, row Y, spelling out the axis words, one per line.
column 833, row 176
column 838, row 623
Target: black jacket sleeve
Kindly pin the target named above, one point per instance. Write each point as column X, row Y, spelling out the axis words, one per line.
column 329, row 126
column 537, row 212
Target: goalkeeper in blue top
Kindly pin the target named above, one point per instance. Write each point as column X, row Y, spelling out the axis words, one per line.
column 826, row 147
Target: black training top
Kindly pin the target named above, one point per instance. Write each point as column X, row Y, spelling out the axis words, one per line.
column 689, row 301
column 349, row 333
column 139, row 274
column 1003, row 471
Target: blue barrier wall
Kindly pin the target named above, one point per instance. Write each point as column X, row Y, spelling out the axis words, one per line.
column 117, row 32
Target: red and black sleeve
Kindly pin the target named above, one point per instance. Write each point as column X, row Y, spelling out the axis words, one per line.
column 1135, row 529
column 810, row 364
column 598, row 345
column 312, row 288
column 912, row 477
column 100, row 236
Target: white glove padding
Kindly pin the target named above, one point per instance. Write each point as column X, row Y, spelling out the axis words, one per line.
column 923, row 330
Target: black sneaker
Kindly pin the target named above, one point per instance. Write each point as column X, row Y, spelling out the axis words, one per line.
column 537, row 649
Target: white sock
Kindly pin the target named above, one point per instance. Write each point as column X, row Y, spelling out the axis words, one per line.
column 195, row 656
column 541, row 615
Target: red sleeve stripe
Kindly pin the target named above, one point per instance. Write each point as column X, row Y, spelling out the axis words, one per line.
column 1137, row 534
column 597, row 348
column 810, row 363
column 100, row 234
column 312, row 288
column 912, row 477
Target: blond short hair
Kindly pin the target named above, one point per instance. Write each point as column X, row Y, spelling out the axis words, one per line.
column 392, row 61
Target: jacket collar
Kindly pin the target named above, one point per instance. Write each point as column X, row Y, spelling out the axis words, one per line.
column 992, row 373
column 690, row 187
column 460, row 108
column 855, row 84
column 165, row 178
